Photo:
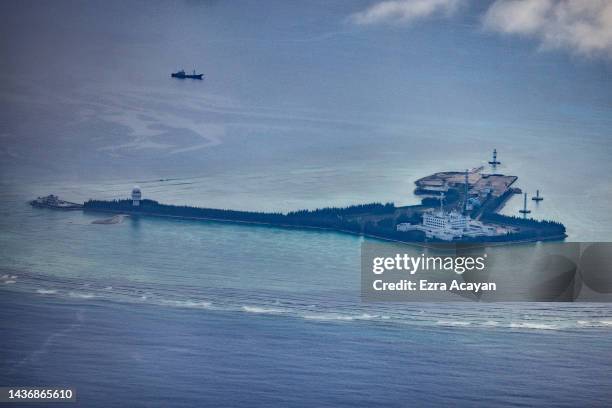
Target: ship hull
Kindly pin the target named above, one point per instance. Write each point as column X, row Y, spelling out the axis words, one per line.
column 196, row 76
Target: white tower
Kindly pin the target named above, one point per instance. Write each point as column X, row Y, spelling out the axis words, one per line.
column 136, row 196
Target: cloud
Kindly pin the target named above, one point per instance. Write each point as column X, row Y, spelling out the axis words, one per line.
column 403, row 11
column 582, row 26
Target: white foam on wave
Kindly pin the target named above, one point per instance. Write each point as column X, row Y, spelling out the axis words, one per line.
column 490, row 323
column 366, row 316
column 593, row 323
column 328, row 317
column 46, row 291
column 535, row 326
column 8, row 282
column 190, row 304
column 337, row 317
column 453, row 323
column 583, row 322
column 261, row 310
column 81, row 295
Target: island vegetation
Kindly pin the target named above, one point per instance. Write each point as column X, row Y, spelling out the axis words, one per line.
column 374, row 219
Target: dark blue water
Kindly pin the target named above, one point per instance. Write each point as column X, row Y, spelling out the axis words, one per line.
column 299, row 109
column 149, row 356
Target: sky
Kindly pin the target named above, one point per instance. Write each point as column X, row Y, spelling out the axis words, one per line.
column 85, row 85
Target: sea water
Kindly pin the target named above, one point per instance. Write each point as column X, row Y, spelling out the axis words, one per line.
column 157, row 312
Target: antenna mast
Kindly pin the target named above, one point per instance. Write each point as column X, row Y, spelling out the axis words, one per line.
column 494, row 162
column 525, row 211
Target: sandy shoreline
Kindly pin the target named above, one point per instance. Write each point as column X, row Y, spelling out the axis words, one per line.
column 117, row 219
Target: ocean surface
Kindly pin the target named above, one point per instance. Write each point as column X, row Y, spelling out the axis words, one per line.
column 298, row 110
column 158, row 312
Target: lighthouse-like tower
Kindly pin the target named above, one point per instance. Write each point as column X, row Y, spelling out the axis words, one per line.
column 136, row 196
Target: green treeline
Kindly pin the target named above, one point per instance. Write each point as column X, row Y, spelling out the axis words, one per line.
column 329, row 217
column 373, row 219
column 528, row 226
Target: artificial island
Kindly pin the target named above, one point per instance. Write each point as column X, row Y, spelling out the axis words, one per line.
column 455, row 206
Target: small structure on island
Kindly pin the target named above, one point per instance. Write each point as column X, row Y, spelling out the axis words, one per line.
column 448, row 226
column 525, row 211
column 537, row 197
column 494, row 162
column 136, row 196
column 53, row 201
column 442, row 197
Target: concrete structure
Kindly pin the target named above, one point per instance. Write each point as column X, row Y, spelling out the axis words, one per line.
column 53, row 201
column 479, row 184
column 136, row 196
column 448, row 226
column 439, row 219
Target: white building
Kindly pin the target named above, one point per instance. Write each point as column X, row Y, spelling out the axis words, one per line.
column 440, row 219
column 449, row 226
column 136, row 196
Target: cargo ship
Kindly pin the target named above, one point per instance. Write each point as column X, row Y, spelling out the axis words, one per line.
column 182, row 75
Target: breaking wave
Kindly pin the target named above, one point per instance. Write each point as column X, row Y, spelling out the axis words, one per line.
column 261, row 310
column 191, row 304
column 453, row 323
column 46, row 291
column 537, row 326
column 333, row 308
column 81, row 295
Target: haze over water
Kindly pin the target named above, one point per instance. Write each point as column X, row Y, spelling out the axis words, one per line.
column 300, row 108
